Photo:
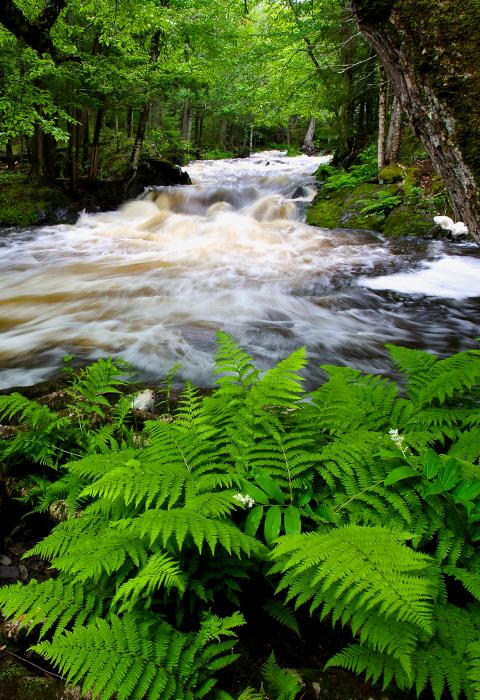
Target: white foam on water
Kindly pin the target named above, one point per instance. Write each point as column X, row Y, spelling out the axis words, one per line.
column 451, row 277
column 153, row 281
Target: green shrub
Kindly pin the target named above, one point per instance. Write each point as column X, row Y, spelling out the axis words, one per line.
column 357, row 500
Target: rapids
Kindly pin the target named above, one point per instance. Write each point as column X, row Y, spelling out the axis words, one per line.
column 153, row 281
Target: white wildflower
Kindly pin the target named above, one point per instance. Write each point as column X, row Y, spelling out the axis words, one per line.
column 399, row 440
column 244, row 500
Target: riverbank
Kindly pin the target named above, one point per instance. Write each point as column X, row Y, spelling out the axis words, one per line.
column 399, row 200
column 24, row 203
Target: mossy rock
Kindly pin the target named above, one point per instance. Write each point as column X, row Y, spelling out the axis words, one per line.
column 23, row 204
column 323, row 171
column 343, row 208
column 326, row 212
column 406, row 221
column 17, row 683
column 391, row 173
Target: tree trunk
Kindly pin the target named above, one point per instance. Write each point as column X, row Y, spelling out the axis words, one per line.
column 93, row 172
column 222, row 132
column 9, row 154
column 186, row 122
column 38, row 159
column 139, row 136
column 143, row 118
column 85, row 136
column 308, row 146
column 394, row 133
column 438, row 87
column 129, row 122
column 382, row 112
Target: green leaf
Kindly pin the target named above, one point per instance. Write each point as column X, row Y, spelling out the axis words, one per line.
column 467, row 491
column 447, row 477
column 268, row 485
column 273, row 523
column 292, row 521
column 325, row 513
column 253, row 520
column 430, row 463
column 400, row 473
column 254, row 492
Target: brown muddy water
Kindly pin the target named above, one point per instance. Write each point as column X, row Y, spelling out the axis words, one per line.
column 154, row 281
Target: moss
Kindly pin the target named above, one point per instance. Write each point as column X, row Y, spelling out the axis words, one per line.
column 325, row 212
column 323, row 171
column 23, row 204
column 17, row 682
column 406, row 221
column 391, row 173
column 343, row 208
column 443, row 43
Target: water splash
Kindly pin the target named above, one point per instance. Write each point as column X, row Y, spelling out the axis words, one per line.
column 153, row 281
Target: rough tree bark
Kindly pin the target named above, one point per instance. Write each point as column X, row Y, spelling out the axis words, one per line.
column 430, row 53
column 186, row 121
column 394, row 137
column 308, row 145
column 382, row 113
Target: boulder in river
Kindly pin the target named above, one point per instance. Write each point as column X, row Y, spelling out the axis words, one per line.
column 154, row 172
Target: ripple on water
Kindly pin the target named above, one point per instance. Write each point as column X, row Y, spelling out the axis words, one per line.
column 154, row 280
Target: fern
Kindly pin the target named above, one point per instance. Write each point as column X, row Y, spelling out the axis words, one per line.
column 134, row 658
column 366, row 577
column 51, row 603
column 281, row 683
column 366, row 500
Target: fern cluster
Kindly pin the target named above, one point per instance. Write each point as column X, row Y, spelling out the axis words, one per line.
column 358, row 500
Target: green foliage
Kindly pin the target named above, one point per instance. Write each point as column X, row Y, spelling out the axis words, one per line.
column 134, row 657
column 384, row 202
column 281, row 683
column 357, row 500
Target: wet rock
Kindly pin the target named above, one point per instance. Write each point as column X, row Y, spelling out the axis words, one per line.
column 391, row 173
column 144, row 401
column 152, row 172
column 405, row 221
column 299, row 192
column 9, row 572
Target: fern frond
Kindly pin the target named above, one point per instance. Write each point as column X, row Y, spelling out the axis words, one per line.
column 132, row 658
column 160, row 570
column 282, row 614
column 174, row 526
column 233, row 365
column 50, row 603
column 281, row 683
column 358, row 570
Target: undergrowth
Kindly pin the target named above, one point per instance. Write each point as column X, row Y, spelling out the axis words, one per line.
column 357, row 501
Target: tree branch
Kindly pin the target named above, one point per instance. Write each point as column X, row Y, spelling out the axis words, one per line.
column 35, row 34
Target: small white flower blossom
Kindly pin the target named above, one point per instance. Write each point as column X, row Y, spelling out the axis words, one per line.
column 244, row 500
column 399, row 440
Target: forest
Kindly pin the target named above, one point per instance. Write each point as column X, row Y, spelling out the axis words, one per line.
column 239, row 363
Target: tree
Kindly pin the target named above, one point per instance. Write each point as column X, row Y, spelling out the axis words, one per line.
column 430, row 52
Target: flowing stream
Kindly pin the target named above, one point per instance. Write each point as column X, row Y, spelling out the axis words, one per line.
column 153, row 281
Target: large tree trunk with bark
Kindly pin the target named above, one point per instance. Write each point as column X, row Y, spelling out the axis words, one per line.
column 308, row 145
column 394, row 137
column 382, row 115
column 430, row 52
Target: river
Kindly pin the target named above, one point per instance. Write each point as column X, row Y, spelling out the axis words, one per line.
column 153, row 281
